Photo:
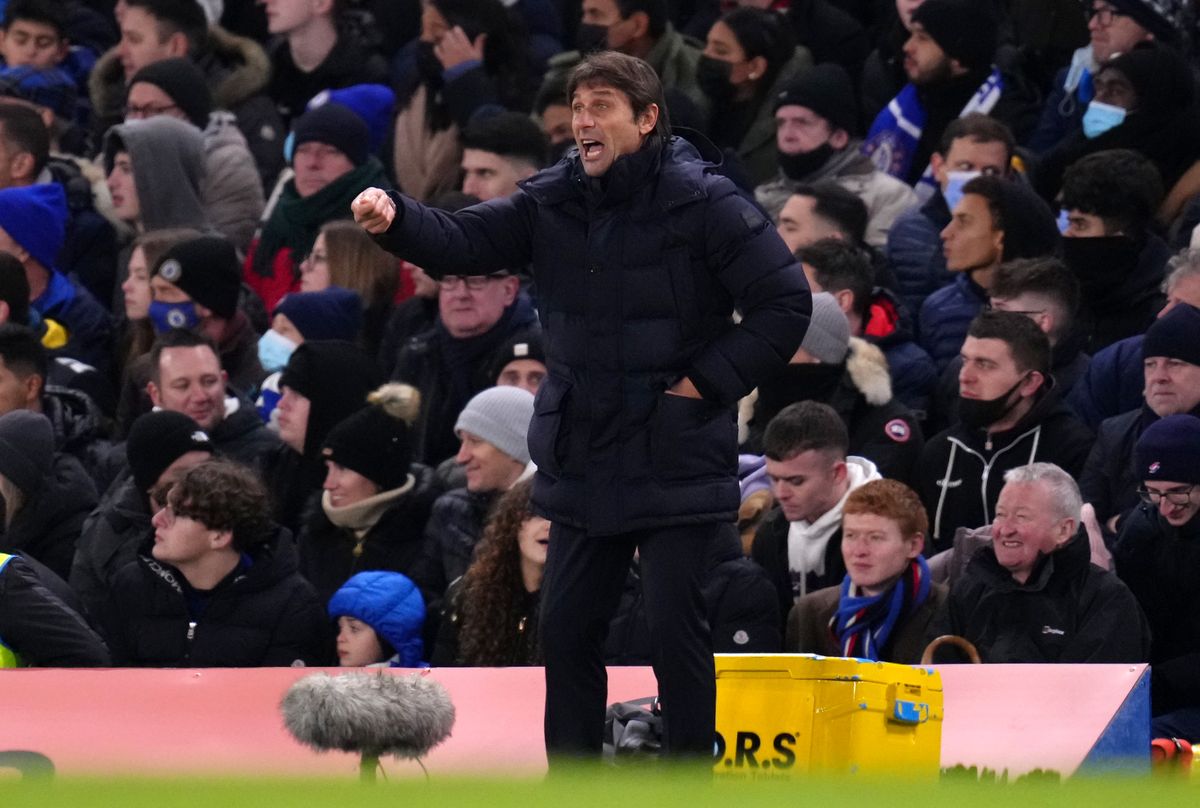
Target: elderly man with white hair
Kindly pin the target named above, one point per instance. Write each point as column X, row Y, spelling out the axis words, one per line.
column 1033, row 595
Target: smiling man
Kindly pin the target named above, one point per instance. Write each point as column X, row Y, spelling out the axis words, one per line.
column 640, row 254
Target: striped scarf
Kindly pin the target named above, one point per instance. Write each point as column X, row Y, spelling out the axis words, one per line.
column 863, row 624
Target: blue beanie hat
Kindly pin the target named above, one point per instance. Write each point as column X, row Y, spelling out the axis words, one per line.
column 1167, row 450
column 35, row 216
column 373, row 103
column 389, row 603
column 50, row 88
column 332, row 313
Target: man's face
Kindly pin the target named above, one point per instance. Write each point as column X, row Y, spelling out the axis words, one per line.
column 524, row 373
column 800, row 226
column 905, row 9
column 1113, row 33
column 808, row 484
column 924, row 60
column 1177, row 502
column 471, row 305
column 123, row 189
column 1186, row 290
column 293, row 409
column 146, row 100
column 1172, row 385
column 989, row 158
column 17, row 392
column 488, row 175
column 875, row 551
column 487, row 468
column 556, row 123
column 36, row 44
column 1027, row 526
column 285, row 16
column 141, row 44
column 607, row 13
column 988, row 369
column 1085, row 225
column 799, row 130
column 180, row 540
column 1114, row 87
column 970, row 241
column 1032, row 305
column 317, row 165
column 191, row 382
column 605, row 127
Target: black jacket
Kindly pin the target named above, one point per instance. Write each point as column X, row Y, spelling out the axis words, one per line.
column 1108, row 480
column 39, row 626
column 82, row 431
column 109, row 541
column 49, row 522
column 638, row 273
column 770, row 551
column 455, row 526
column 242, row 436
column 352, row 61
column 447, row 651
column 1068, row 611
column 262, row 615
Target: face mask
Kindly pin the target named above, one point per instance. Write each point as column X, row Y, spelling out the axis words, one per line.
column 167, row 316
column 1101, row 264
column 955, row 180
column 429, row 67
column 591, row 38
column 800, row 166
column 1064, row 222
column 713, row 77
column 980, row 413
column 274, row 350
column 1101, row 117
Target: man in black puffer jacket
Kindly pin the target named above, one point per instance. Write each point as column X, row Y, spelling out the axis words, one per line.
column 640, row 255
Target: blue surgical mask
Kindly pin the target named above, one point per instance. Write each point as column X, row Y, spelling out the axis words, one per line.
column 1064, row 221
column 1101, row 117
column 274, row 350
column 166, row 316
column 955, row 180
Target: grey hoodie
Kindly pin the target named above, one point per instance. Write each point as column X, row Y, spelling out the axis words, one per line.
column 168, row 169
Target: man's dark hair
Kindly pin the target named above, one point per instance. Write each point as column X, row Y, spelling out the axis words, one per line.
column 1048, row 277
column 838, row 266
column 1029, row 346
column 981, row 129
column 47, row 12
column 763, row 33
column 177, row 338
column 22, row 351
column 805, row 426
column 655, row 10
column 177, row 17
column 626, row 74
column 1120, row 186
column 508, row 134
column 14, row 288
column 25, row 131
column 841, row 208
column 223, row 495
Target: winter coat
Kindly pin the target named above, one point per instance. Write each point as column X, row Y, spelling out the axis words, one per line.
column 261, row 615
column 242, row 436
column 757, row 149
column 49, row 522
column 109, row 540
column 961, row 470
column 1069, row 611
column 446, row 651
column 167, row 157
column 455, row 526
column 81, row 430
column 39, row 626
column 87, row 323
column 329, row 554
column 889, row 326
column 809, row 632
column 637, row 278
column 232, row 190
column 945, row 317
column 1131, row 306
column 914, row 251
column 89, row 252
column 351, row 61
column 1062, row 115
column 885, row 196
column 1109, row 481
column 1112, row 383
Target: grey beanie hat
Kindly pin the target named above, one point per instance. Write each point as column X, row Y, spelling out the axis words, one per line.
column 500, row 416
column 828, row 334
column 26, row 448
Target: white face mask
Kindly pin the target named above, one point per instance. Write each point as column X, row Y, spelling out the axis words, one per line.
column 955, row 180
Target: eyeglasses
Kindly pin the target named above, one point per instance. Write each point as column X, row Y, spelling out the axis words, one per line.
column 147, row 110
column 1176, row 496
column 170, row 514
column 472, row 282
column 1104, row 15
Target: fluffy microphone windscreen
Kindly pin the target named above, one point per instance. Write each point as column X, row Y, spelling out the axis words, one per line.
column 374, row 714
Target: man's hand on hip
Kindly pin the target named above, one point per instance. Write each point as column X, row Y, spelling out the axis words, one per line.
column 685, row 388
column 374, row 210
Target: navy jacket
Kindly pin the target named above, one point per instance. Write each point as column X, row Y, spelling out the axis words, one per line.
column 914, row 250
column 638, row 273
column 1112, row 383
column 946, row 316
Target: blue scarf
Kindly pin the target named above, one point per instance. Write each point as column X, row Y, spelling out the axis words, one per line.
column 892, row 142
column 863, row 624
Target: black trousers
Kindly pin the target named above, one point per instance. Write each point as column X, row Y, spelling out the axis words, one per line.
column 580, row 593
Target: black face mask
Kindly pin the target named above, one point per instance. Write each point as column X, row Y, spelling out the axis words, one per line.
column 1101, row 264
column 591, row 38
column 429, row 67
column 980, row 413
column 800, row 166
column 713, row 77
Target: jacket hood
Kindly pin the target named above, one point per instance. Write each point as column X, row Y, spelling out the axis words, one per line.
column 867, row 369
column 236, row 67
column 168, row 169
column 75, row 417
column 888, row 321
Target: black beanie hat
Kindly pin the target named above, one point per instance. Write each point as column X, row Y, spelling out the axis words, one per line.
column 207, row 269
column 1159, row 17
column 26, row 449
column 1175, row 335
column 828, row 91
column 335, row 125
column 1167, row 450
column 335, row 376
column 184, row 82
column 156, row 440
column 375, row 441
column 522, row 345
column 964, row 29
column 1160, row 77
column 1030, row 229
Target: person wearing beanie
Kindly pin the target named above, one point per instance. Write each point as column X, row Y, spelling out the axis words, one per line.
column 380, row 616
column 1155, row 555
column 818, row 137
column 948, row 60
column 46, row 494
column 375, row 501
column 375, row 104
column 332, row 164
column 33, row 225
column 161, row 446
column 520, row 362
column 851, row 376
column 196, row 286
column 499, row 151
column 996, row 220
column 231, row 192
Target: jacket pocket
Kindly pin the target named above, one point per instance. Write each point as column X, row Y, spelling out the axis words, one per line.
column 692, row 438
column 546, row 447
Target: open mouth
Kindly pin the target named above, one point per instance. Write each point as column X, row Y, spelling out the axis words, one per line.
column 590, row 149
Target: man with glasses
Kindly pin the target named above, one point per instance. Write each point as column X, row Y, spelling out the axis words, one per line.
column 1114, row 26
column 1157, row 555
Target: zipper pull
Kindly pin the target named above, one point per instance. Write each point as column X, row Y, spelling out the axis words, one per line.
column 358, row 547
column 521, row 625
column 191, row 633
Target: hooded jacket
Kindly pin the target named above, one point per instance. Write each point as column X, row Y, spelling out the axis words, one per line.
column 49, row 522
column 81, row 431
column 889, row 326
column 914, row 251
column 946, row 316
column 39, row 626
column 242, row 436
column 351, row 61
column 109, row 540
column 168, row 170
column 232, row 190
